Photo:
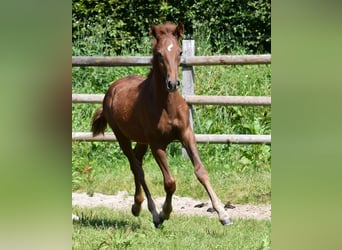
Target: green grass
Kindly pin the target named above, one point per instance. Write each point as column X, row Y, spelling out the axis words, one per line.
column 236, row 186
column 103, row 228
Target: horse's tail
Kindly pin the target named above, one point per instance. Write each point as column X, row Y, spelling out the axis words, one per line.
column 99, row 122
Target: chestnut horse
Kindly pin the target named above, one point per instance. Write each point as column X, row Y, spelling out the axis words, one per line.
column 152, row 113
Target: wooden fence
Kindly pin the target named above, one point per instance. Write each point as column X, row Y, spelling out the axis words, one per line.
column 188, row 60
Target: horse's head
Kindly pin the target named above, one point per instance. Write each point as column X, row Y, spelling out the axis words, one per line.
column 167, row 52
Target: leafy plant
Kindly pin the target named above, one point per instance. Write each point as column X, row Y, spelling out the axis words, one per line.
column 228, row 24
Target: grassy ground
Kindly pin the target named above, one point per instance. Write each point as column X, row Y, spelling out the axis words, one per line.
column 102, row 228
column 238, row 187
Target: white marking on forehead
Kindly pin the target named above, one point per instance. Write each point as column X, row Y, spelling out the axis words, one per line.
column 169, row 47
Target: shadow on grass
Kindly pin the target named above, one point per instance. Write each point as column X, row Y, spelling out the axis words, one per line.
column 104, row 223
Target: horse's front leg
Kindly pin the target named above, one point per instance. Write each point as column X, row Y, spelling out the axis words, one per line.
column 169, row 182
column 189, row 143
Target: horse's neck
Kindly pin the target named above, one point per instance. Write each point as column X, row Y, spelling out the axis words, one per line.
column 157, row 81
column 164, row 98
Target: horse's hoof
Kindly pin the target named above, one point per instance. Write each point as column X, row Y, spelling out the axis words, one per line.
column 157, row 224
column 163, row 217
column 135, row 210
column 226, row 222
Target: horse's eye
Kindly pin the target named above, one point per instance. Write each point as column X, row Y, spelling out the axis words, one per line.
column 181, row 53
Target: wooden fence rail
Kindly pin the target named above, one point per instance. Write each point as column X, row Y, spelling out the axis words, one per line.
column 110, row 61
column 200, row 100
column 200, row 138
column 188, row 60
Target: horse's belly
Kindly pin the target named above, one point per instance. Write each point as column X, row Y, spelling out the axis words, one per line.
column 133, row 132
column 139, row 130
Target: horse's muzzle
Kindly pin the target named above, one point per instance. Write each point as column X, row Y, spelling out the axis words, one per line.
column 172, row 85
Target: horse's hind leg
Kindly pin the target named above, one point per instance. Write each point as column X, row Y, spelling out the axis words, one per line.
column 169, row 182
column 139, row 175
column 139, row 152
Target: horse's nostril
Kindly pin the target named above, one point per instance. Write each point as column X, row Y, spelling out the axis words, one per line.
column 169, row 85
column 172, row 85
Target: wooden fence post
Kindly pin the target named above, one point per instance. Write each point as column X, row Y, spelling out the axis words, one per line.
column 188, row 78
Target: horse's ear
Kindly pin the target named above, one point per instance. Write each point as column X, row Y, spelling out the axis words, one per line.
column 153, row 31
column 179, row 31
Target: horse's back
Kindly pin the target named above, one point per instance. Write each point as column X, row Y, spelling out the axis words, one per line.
column 127, row 82
column 124, row 88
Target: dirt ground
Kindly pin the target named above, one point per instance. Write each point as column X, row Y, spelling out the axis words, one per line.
column 181, row 205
